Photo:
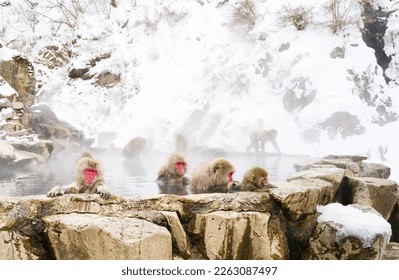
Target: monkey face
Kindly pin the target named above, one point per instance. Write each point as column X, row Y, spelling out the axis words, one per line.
column 180, row 167
column 264, row 182
column 90, row 175
column 230, row 176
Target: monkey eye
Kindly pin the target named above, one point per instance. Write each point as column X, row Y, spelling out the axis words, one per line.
column 231, row 173
column 181, row 163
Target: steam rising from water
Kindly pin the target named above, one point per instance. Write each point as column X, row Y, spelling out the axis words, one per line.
column 133, row 178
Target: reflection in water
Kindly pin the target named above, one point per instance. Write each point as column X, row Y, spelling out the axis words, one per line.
column 132, row 178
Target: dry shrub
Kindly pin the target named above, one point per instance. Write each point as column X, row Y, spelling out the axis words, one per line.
column 299, row 16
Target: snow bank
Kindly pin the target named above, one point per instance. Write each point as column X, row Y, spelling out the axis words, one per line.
column 354, row 222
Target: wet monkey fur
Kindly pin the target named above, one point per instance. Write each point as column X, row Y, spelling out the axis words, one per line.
column 171, row 176
column 89, row 179
column 214, row 176
column 255, row 179
column 134, row 147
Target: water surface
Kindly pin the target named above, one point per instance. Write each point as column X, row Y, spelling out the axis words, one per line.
column 131, row 179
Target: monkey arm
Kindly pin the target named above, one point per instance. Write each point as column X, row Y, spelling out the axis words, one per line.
column 275, row 145
column 234, row 186
column 57, row 190
column 103, row 191
column 186, row 181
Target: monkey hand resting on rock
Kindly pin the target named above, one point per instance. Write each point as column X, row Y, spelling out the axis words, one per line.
column 214, row 176
column 171, row 177
column 256, row 179
column 89, row 179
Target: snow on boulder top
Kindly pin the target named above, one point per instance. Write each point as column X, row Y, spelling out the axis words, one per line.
column 5, row 89
column 354, row 222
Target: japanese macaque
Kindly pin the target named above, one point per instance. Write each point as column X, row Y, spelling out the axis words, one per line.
column 171, row 177
column 181, row 143
column 134, row 147
column 260, row 137
column 58, row 132
column 255, row 179
column 214, row 176
column 89, row 179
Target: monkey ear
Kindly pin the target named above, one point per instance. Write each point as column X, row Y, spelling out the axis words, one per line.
column 215, row 168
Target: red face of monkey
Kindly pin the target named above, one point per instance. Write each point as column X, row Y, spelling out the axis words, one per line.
column 230, row 175
column 89, row 175
column 180, row 166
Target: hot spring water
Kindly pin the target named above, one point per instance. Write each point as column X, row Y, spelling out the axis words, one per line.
column 134, row 179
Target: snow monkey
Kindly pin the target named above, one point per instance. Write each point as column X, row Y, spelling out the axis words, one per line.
column 255, row 179
column 214, row 176
column 260, row 137
column 181, row 143
column 171, row 177
column 89, row 179
column 134, row 147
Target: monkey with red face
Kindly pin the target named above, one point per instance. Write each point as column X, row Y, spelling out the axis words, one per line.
column 89, row 179
column 214, row 176
column 171, row 177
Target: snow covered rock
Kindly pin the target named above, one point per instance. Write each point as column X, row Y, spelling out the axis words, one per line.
column 348, row 233
column 7, row 114
column 95, row 237
column 19, row 73
column 7, row 151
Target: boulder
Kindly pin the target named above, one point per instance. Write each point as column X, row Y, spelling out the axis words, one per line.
column 381, row 194
column 375, row 170
column 300, row 198
column 327, row 173
column 96, row 237
column 19, row 73
column 230, row 235
column 348, row 233
column 394, row 221
column 391, row 251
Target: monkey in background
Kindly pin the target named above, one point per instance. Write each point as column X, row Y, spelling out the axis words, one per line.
column 259, row 138
column 89, row 179
column 181, row 143
column 214, row 176
column 255, row 179
column 134, row 147
column 171, row 177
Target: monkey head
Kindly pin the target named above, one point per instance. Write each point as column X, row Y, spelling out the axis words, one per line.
column 88, row 172
column 223, row 170
column 177, row 162
column 258, row 176
column 255, row 178
column 89, row 175
column 272, row 133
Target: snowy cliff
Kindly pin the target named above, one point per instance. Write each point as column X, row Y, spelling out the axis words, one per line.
column 215, row 70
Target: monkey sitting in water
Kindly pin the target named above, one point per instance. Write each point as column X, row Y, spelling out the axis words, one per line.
column 171, row 177
column 214, row 176
column 256, row 179
column 89, row 179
